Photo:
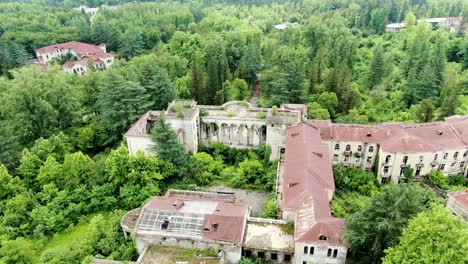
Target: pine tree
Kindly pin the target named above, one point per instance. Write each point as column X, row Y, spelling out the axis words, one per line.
column 9, row 147
column 253, row 58
column 196, row 75
column 121, row 103
column 160, row 89
column 377, row 68
column 438, row 59
column 217, row 70
column 426, row 111
column 166, row 143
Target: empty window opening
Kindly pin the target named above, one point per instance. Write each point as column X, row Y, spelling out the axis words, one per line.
column 348, row 147
column 335, row 253
column 306, row 249
column 261, row 255
column 387, row 159
column 405, row 159
column 165, row 224
column 329, row 253
column 274, row 256
column 311, row 251
column 215, row 227
column 248, row 253
column 322, row 238
column 287, row 258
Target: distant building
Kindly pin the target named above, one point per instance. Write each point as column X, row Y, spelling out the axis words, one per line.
column 86, row 55
column 394, row 27
column 285, row 25
column 457, row 201
column 453, row 23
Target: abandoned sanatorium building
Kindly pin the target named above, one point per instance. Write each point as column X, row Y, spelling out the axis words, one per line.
column 306, row 150
column 387, row 147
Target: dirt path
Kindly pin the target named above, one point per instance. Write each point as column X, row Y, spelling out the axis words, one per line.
column 255, row 93
column 256, row 199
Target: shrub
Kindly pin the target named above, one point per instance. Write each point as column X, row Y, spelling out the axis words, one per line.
column 261, row 115
column 437, row 178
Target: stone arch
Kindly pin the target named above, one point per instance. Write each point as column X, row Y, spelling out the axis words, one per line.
column 243, row 135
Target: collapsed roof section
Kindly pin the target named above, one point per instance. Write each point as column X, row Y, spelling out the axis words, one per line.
column 202, row 215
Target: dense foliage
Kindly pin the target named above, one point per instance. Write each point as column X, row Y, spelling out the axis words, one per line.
column 60, row 134
column 433, row 236
column 379, row 224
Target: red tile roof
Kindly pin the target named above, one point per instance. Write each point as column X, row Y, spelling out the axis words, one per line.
column 307, row 181
column 461, row 197
column 398, row 137
column 78, row 47
column 230, row 216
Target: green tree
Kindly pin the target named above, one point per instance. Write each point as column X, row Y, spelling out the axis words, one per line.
column 131, row 44
column 380, row 223
column 121, row 103
column 315, row 111
column 426, row 111
column 17, row 251
column 197, row 77
column 160, row 89
column 166, row 143
column 434, row 236
column 354, row 179
column 376, row 68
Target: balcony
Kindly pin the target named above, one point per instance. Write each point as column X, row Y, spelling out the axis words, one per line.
column 348, row 152
column 357, row 154
column 404, row 165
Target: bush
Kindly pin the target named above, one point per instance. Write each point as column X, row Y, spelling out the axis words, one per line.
column 457, row 180
column 353, row 179
column 261, row 115
column 271, row 208
column 437, row 178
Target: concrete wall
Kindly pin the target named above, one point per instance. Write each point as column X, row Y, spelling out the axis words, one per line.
column 276, row 138
column 268, row 255
column 232, row 254
column 136, row 143
column 321, row 253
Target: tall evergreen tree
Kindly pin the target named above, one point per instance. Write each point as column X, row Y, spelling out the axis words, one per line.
column 9, row 146
column 166, row 143
column 196, row 74
column 216, row 68
column 121, row 103
column 380, row 223
column 426, row 111
column 160, row 89
column 376, row 68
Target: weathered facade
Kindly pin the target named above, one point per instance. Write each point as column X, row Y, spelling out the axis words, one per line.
column 236, row 124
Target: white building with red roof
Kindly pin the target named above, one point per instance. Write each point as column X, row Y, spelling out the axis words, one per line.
column 389, row 148
column 86, row 55
column 457, row 201
column 304, row 193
